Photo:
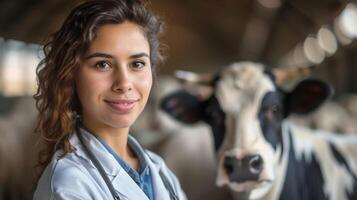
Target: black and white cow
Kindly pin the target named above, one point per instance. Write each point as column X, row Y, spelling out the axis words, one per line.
column 260, row 154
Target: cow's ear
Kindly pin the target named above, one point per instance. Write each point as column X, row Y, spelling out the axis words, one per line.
column 307, row 96
column 183, row 106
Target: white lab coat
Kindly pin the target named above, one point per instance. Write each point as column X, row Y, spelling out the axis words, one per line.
column 75, row 177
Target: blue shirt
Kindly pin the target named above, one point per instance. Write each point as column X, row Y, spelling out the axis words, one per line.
column 142, row 177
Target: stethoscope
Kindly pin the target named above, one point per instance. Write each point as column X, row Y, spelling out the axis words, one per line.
column 109, row 184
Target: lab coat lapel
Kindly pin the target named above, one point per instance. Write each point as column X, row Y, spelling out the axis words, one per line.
column 108, row 162
column 121, row 181
column 159, row 188
column 160, row 191
column 127, row 187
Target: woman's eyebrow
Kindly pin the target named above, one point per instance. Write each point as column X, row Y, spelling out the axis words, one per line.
column 102, row 55
column 105, row 55
column 138, row 55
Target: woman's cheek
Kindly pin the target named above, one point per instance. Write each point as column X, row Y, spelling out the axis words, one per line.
column 145, row 80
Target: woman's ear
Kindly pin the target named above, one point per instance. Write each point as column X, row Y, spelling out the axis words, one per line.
column 308, row 95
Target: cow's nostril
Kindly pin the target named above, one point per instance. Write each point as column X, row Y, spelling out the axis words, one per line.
column 229, row 164
column 255, row 164
column 245, row 169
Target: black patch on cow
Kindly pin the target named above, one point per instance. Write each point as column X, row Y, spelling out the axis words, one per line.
column 270, row 117
column 271, row 75
column 215, row 79
column 215, row 117
column 304, row 180
column 342, row 161
column 352, row 195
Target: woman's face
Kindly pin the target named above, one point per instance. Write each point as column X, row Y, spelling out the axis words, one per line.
column 114, row 80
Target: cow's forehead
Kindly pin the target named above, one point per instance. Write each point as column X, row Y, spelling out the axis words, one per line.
column 246, row 74
column 241, row 84
column 247, row 78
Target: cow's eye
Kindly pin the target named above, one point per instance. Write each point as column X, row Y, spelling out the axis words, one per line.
column 275, row 108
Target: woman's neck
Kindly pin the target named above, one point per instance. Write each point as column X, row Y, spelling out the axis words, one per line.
column 117, row 139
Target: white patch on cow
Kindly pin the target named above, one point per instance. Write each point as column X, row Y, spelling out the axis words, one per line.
column 337, row 179
column 240, row 91
column 237, row 84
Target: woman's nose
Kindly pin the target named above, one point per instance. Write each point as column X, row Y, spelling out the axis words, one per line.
column 121, row 81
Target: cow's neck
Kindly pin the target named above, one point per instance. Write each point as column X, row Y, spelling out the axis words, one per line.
column 281, row 167
column 313, row 169
column 291, row 177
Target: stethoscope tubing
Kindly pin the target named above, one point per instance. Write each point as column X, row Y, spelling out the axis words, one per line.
column 97, row 164
column 109, row 184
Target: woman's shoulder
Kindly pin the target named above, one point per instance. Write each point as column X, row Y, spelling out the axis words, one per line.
column 69, row 167
column 64, row 176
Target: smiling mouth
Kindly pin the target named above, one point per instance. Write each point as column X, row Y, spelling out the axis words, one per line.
column 121, row 106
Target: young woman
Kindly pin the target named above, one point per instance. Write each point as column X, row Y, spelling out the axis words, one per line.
column 94, row 82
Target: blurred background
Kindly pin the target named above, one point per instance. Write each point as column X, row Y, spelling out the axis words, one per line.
column 200, row 36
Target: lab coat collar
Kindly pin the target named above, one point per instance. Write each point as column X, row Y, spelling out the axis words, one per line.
column 124, row 184
column 160, row 191
column 110, row 165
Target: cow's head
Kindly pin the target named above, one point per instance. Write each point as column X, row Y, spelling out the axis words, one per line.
column 245, row 111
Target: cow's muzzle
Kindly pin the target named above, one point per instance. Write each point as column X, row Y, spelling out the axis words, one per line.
column 245, row 169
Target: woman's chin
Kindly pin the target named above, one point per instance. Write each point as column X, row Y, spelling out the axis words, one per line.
column 119, row 121
column 119, row 124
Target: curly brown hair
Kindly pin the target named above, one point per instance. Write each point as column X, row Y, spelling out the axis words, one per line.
column 56, row 98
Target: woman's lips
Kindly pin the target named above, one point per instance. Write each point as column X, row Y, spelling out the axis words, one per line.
column 122, row 106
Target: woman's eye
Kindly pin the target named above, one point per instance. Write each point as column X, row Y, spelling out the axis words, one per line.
column 137, row 64
column 103, row 65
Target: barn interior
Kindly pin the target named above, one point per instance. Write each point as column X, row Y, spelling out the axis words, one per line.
column 200, row 36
